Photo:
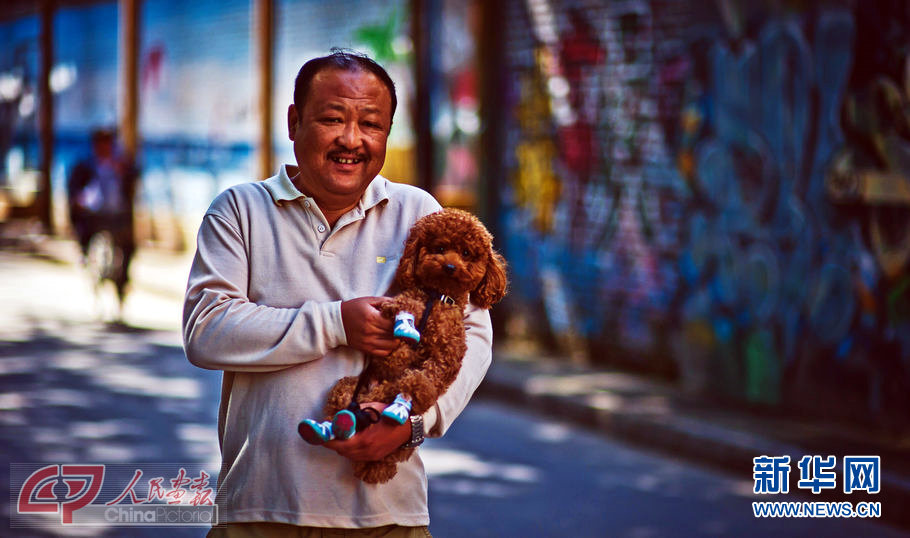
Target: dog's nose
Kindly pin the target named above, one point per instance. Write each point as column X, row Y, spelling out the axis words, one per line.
column 449, row 268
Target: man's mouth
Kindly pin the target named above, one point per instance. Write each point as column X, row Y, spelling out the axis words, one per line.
column 345, row 160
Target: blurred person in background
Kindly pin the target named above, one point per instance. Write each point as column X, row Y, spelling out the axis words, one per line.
column 100, row 191
column 282, row 297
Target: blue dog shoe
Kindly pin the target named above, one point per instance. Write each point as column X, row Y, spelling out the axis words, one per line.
column 315, row 433
column 400, row 409
column 404, row 327
column 344, row 424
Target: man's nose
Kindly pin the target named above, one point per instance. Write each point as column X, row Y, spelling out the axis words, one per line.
column 350, row 135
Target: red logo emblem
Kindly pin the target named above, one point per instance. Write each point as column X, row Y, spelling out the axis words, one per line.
column 82, row 483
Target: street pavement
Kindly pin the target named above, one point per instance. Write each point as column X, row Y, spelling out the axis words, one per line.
column 659, row 416
column 501, row 471
column 76, row 388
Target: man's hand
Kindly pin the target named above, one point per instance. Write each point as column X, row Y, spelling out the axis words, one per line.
column 366, row 328
column 374, row 443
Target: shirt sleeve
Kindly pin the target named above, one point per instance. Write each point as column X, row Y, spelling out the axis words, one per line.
column 224, row 330
column 474, row 366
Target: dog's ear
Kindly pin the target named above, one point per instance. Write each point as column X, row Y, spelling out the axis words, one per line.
column 492, row 288
column 406, row 274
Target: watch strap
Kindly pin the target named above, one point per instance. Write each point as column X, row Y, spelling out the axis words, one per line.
column 417, row 433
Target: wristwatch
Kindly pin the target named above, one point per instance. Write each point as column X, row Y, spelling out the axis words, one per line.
column 416, row 432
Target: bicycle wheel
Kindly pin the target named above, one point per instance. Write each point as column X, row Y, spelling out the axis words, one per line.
column 104, row 258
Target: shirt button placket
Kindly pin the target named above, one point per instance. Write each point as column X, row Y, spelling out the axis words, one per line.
column 320, row 228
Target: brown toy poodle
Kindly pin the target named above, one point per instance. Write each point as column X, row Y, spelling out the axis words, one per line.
column 448, row 260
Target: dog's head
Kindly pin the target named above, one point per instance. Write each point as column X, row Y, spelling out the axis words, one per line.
column 451, row 252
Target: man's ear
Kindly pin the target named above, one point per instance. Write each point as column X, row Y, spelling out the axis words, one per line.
column 293, row 120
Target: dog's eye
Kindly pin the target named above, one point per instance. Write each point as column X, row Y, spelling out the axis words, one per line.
column 439, row 249
column 465, row 253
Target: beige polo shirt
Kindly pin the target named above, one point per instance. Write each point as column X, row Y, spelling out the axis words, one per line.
column 263, row 304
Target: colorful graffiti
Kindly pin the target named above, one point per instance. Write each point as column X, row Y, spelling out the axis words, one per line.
column 454, row 102
column 724, row 193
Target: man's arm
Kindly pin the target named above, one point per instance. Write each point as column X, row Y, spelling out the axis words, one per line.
column 224, row 330
column 77, row 180
column 380, row 440
column 474, row 367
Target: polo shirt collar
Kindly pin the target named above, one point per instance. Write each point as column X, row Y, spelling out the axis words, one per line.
column 281, row 188
column 376, row 193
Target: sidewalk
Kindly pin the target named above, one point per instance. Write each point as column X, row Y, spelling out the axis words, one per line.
column 644, row 411
column 154, row 298
column 657, row 415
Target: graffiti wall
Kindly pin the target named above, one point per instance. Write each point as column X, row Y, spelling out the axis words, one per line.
column 720, row 193
column 455, row 104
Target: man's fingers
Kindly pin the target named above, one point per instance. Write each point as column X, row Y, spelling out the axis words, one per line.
column 365, row 326
column 381, row 327
column 381, row 322
column 382, row 347
column 376, row 302
column 375, row 442
column 354, row 449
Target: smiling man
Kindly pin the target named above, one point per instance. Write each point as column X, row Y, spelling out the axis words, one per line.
column 339, row 124
column 282, row 297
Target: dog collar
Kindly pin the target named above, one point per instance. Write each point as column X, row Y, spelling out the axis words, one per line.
column 433, row 298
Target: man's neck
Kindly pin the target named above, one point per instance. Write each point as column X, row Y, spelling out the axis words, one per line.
column 332, row 216
column 331, row 212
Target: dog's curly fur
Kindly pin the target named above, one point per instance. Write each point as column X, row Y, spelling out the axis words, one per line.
column 475, row 273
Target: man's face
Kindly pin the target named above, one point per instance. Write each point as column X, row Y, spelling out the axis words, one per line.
column 340, row 135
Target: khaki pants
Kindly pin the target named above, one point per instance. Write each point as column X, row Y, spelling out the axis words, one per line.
column 276, row 530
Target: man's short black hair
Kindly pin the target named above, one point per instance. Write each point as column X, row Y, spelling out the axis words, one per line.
column 346, row 60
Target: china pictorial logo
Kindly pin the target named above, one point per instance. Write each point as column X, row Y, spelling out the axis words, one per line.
column 817, row 474
column 111, row 495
